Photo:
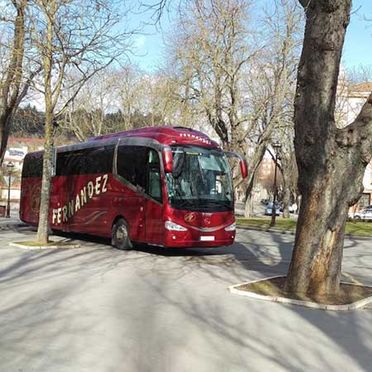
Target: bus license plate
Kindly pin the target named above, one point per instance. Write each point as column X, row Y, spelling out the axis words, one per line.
column 206, row 238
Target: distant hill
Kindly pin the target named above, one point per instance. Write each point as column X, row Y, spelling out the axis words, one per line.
column 28, row 122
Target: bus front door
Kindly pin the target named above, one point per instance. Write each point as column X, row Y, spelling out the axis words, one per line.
column 154, row 222
column 154, row 201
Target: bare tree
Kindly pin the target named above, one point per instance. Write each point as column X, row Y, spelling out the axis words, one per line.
column 324, row 152
column 244, row 90
column 76, row 37
column 284, row 135
column 154, row 96
column 86, row 115
column 211, row 52
column 128, row 95
column 271, row 87
column 209, row 57
column 166, row 100
column 359, row 74
column 134, row 86
column 14, row 82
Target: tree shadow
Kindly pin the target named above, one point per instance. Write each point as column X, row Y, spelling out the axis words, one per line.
column 167, row 310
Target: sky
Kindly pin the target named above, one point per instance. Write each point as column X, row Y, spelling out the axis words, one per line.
column 358, row 42
column 150, row 46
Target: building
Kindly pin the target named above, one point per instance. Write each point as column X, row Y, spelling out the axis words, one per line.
column 15, row 153
column 357, row 95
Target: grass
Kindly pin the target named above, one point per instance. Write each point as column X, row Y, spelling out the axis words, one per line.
column 347, row 294
column 289, row 224
column 283, row 224
column 33, row 243
column 359, row 228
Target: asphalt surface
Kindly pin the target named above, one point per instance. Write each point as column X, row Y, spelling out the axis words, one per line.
column 96, row 308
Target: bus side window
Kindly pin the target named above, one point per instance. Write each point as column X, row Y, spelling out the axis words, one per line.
column 154, row 184
column 68, row 163
column 131, row 164
column 33, row 165
column 97, row 160
column 86, row 161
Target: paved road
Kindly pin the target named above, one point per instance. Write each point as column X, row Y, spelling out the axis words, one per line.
column 99, row 309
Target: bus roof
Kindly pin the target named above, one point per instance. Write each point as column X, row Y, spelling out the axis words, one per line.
column 165, row 135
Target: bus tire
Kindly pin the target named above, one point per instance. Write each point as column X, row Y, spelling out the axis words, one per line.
column 120, row 235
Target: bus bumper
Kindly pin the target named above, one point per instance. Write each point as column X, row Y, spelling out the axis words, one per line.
column 189, row 239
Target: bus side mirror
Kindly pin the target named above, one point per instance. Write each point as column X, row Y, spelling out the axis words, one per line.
column 167, row 160
column 242, row 162
column 243, row 168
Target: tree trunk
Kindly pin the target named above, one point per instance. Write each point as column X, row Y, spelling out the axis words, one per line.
column 286, row 199
column 331, row 161
column 316, row 262
column 5, row 118
column 253, row 167
column 11, row 91
column 43, row 227
column 248, row 207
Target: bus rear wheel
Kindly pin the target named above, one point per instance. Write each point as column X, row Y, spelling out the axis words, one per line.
column 120, row 236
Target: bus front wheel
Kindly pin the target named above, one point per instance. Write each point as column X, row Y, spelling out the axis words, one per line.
column 120, row 236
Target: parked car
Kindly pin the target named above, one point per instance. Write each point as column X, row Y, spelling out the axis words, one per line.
column 363, row 215
column 269, row 209
column 291, row 208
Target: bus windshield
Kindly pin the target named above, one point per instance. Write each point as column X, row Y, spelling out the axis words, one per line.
column 200, row 180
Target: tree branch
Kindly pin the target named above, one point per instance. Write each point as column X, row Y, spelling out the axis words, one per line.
column 359, row 134
column 82, row 82
column 305, row 3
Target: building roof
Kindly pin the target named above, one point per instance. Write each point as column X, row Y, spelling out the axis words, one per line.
column 361, row 90
column 26, row 140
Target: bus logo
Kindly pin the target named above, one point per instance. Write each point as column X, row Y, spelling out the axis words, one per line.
column 190, row 217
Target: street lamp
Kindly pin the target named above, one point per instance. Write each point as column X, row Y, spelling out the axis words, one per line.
column 276, row 146
column 9, row 167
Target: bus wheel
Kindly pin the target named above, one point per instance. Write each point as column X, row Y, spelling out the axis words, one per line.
column 120, row 237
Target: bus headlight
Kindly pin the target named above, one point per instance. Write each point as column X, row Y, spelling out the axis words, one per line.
column 231, row 227
column 171, row 226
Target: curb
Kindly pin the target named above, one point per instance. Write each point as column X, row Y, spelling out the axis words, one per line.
column 40, row 247
column 313, row 305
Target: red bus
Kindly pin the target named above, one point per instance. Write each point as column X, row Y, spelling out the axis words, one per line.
column 166, row 186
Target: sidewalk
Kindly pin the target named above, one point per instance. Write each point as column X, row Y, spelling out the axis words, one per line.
column 160, row 311
column 8, row 223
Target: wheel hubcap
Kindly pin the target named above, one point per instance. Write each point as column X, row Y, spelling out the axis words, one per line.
column 121, row 233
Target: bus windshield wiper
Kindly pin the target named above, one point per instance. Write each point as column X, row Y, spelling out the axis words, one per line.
column 225, row 203
column 182, row 202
